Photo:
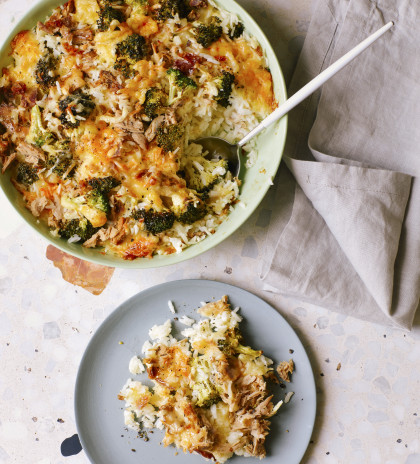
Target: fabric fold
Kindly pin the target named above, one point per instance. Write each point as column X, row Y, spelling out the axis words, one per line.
column 304, row 260
column 351, row 241
column 374, row 202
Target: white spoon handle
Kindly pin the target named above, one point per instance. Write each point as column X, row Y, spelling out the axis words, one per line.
column 315, row 84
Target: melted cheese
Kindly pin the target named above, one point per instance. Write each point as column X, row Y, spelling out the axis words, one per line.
column 86, row 11
column 184, row 425
column 26, row 53
column 148, row 75
column 139, row 395
column 143, row 25
column 169, row 367
column 93, row 148
column 218, row 417
column 106, row 42
column 253, row 80
column 73, row 82
column 141, row 247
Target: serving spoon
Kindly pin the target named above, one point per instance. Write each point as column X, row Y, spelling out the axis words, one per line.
column 220, row 148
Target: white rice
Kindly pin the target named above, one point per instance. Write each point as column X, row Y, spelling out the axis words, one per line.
column 159, row 332
column 136, row 366
column 171, row 307
column 74, row 239
column 147, row 348
column 288, row 397
column 186, row 320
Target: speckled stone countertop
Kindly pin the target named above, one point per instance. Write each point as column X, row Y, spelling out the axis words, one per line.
column 367, row 376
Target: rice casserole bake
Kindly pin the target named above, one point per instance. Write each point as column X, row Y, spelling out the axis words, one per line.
column 209, row 392
column 99, row 111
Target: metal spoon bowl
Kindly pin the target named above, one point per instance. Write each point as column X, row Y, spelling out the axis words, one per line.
column 220, row 148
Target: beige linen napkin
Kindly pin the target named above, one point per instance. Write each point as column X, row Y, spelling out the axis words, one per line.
column 346, row 236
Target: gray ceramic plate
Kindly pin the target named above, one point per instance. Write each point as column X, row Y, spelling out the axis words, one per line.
column 104, row 370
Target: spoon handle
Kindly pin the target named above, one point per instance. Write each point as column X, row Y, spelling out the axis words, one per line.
column 315, row 83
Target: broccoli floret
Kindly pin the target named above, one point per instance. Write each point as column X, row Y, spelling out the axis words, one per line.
column 204, row 392
column 179, row 84
column 113, row 3
column 98, row 197
column 206, row 34
column 62, row 145
column 231, row 345
column 230, row 342
column 104, row 184
column 125, row 69
column 37, row 134
column 139, row 6
column 98, row 200
column 85, row 206
column 188, row 210
column 45, row 71
column 168, row 137
column 61, row 164
column 225, row 347
column 74, row 106
column 230, row 348
column 155, row 222
column 236, row 31
column 107, row 14
column 154, row 102
column 210, row 173
column 26, row 174
column 81, row 227
column 193, row 212
column 169, row 8
column 248, row 351
column 60, row 159
column 132, row 49
column 224, row 84
column 104, row 3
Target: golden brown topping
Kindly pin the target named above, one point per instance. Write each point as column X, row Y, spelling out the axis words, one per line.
column 141, row 248
column 169, row 366
column 213, row 309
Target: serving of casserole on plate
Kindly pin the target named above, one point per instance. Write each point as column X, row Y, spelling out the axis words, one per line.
column 210, row 391
column 218, row 403
column 99, row 110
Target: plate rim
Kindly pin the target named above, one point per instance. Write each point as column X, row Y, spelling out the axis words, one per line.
column 154, row 288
